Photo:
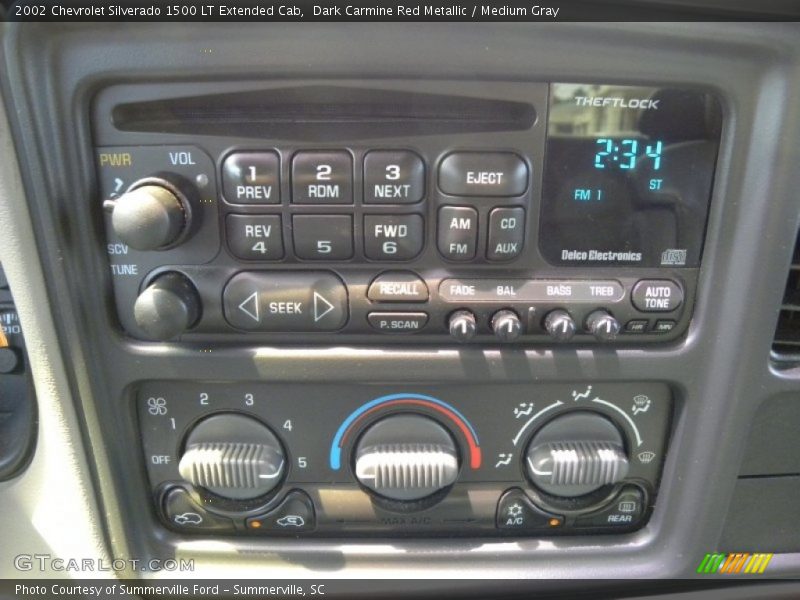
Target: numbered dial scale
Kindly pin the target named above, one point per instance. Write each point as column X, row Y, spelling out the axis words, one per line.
column 359, row 459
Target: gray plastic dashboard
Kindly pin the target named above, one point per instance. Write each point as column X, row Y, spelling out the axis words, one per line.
column 720, row 373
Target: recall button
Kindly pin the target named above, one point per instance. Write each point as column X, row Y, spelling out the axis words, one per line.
column 656, row 295
column 483, row 174
column 284, row 301
column 397, row 322
column 398, row 286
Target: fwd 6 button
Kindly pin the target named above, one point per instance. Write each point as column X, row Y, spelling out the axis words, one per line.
column 657, row 295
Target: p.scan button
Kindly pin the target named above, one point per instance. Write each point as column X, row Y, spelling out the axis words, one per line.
column 279, row 301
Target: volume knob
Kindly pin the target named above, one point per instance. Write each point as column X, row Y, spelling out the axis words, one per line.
column 153, row 215
column 406, row 457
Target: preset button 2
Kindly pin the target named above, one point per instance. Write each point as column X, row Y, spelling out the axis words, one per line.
column 322, row 178
column 280, row 301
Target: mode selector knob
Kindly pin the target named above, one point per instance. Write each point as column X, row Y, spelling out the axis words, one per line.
column 152, row 215
column 406, row 457
column 575, row 454
column 167, row 307
column 233, row 456
column 602, row 325
column 559, row 325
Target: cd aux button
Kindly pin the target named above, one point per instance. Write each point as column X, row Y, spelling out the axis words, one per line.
column 506, row 233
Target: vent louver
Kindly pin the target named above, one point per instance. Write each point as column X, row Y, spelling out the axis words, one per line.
column 787, row 335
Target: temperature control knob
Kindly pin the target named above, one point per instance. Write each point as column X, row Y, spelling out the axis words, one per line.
column 167, row 307
column 506, row 325
column 559, row 325
column 406, row 457
column 462, row 325
column 602, row 325
column 575, row 454
column 233, row 456
column 152, row 215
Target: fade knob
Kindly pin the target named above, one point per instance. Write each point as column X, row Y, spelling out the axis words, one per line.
column 152, row 215
column 233, row 456
column 406, row 457
column 462, row 325
column 167, row 307
column 560, row 325
column 506, row 325
column 602, row 325
column 576, row 454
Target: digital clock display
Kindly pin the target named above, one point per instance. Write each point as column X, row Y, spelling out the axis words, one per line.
column 628, row 175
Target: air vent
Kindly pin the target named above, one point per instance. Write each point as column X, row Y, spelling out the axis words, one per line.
column 787, row 335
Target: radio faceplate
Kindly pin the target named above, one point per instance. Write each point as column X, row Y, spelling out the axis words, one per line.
column 351, row 459
column 387, row 220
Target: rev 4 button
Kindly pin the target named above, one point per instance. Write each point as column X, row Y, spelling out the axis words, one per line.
column 272, row 301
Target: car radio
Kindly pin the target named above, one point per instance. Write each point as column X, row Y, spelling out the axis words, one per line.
column 391, row 211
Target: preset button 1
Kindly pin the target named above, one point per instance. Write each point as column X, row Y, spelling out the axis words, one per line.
column 251, row 178
column 280, row 301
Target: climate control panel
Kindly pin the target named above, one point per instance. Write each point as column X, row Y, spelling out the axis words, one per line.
column 292, row 459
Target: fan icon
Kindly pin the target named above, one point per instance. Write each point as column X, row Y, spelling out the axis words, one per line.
column 157, row 406
column 514, row 510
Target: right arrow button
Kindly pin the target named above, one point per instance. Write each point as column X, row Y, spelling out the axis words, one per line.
column 277, row 302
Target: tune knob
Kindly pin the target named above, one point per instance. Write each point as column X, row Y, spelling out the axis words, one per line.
column 559, row 325
column 406, row 457
column 462, row 325
column 167, row 307
column 602, row 325
column 233, row 456
column 576, row 454
column 506, row 325
column 152, row 215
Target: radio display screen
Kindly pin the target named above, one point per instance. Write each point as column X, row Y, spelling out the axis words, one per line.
column 628, row 175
